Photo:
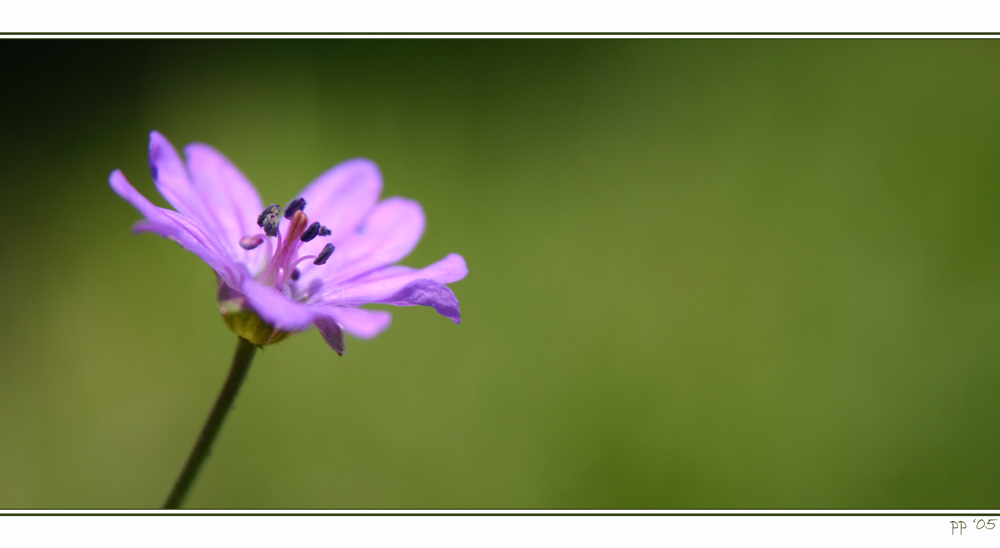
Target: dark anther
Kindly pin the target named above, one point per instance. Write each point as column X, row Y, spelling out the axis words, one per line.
column 293, row 206
column 310, row 232
column 324, row 231
column 295, row 274
column 268, row 219
column 271, row 225
column 251, row 242
column 272, row 209
column 324, row 255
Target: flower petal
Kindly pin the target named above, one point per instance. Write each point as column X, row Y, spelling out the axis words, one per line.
column 275, row 308
column 187, row 232
column 174, row 183
column 428, row 293
column 404, row 288
column 171, row 177
column 332, row 333
column 387, row 235
column 448, row 270
column 343, row 196
column 363, row 324
column 232, row 201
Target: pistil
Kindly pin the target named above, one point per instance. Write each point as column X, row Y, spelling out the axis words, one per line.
column 278, row 267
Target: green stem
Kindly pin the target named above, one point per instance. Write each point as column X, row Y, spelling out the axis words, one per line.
column 245, row 351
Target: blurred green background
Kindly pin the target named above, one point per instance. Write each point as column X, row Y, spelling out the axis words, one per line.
column 703, row 274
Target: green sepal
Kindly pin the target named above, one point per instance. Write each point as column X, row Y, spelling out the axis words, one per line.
column 247, row 324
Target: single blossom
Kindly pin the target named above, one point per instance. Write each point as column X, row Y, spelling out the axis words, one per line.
column 329, row 251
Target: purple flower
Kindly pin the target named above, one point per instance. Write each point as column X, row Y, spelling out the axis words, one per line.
column 282, row 273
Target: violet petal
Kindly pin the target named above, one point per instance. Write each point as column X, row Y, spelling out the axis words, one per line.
column 275, row 308
column 361, row 323
column 403, row 287
column 428, row 293
column 387, row 235
column 171, row 178
column 342, row 197
column 187, row 233
column 233, row 202
column 332, row 333
column 450, row 269
column 174, row 183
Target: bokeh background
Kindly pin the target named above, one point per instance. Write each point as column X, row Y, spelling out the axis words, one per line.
column 703, row 274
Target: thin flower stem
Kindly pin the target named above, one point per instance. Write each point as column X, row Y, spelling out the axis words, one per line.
column 242, row 359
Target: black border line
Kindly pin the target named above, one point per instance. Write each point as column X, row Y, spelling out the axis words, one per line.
column 496, row 34
column 462, row 513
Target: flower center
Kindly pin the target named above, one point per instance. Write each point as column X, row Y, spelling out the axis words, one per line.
column 279, row 270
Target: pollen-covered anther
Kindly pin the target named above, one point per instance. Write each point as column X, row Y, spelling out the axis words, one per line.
column 298, row 204
column 251, row 242
column 324, row 255
column 268, row 219
column 311, row 232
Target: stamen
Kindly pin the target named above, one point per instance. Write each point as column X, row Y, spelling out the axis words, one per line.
column 268, row 219
column 295, row 274
column 310, row 232
column 324, row 231
column 324, row 255
column 297, row 204
column 303, row 259
column 269, row 210
column 251, row 242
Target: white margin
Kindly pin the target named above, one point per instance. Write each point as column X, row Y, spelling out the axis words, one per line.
column 499, row 528
column 516, row 16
